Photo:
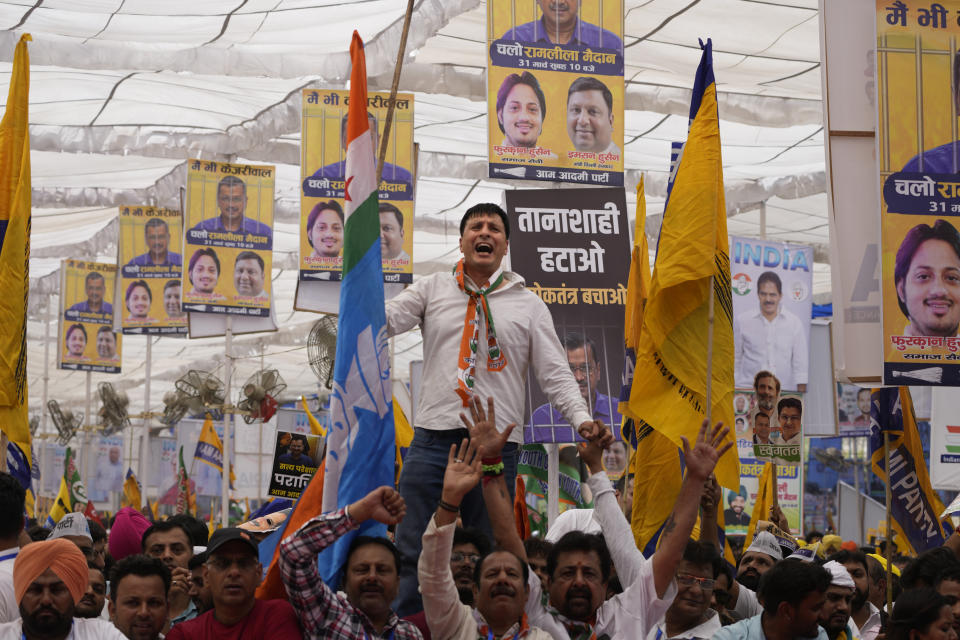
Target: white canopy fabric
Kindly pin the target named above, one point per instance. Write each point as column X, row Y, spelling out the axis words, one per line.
column 124, row 91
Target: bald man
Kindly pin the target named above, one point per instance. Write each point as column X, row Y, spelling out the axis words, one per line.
column 49, row 578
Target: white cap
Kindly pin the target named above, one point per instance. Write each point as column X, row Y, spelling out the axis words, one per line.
column 72, row 524
column 766, row 542
column 839, row 576
column 805, row 554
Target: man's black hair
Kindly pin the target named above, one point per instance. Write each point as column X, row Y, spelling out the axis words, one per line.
column 812, row 535
column 362, row 541
column 163, row 526
column 574, row 340
column 537, row 546
column 198, row 560
column 924, row 569
column 470, row 535
column 580, row 541
column 97, row 532
column 485, row 208
column 790, row 581
column 155, row 222
column 770, row 276
column 138, row 565
column 793, row 403
column 703, row 554
column 589, row 83
column 12, row 497
column 231, row 181
column 92, row 275
column 845, row 555
column 197, row 530
column 478, row 568
column 249, row 255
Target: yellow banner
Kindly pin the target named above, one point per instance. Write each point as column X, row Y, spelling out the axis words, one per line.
column 229, row 238
column 88, row 341
column 323, row 139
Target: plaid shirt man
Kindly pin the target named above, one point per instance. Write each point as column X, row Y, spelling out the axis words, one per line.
column 323, row 613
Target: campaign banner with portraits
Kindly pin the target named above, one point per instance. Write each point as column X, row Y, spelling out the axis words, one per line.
column 555, row 90
column 88, row 341
column 228, row 247
column 853, row 410
column 768, row 429
column 772, row 286
column 322, row 168
column 295, row 461
column 572, row 248
column 110, row 470
column 149, row 250
column 918, row 152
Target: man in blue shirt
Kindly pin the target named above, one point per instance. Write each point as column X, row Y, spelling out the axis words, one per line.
column 393, row 174
column 561, row 24
column 582, row 358
column 95, row 287
column 232, row 202
column 157, row 235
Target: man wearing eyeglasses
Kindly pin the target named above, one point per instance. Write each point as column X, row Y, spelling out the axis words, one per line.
column 233, row 572
column 582, row 359
column 690, row 616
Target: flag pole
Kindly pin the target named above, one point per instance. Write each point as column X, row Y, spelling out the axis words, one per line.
column 393, row 90
column 889, row 550
column 710, row 355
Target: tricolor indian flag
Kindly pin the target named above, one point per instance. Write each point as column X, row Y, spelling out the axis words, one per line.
column 360, row 442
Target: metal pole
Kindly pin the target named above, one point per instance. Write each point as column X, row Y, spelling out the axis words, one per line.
column 227, row 421
column 88, row 437
column 393, row 90
column 763, row 219
column 143, row 463
column 889, row 547
column 44, row 412
column 553, row 483
column 263, row 425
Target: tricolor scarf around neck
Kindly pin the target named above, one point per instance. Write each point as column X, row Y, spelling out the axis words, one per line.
column 517, row 631
column 467, row 358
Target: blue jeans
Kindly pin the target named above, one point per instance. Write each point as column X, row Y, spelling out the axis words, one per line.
column 421, row 484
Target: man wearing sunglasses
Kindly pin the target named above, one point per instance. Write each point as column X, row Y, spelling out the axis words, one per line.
column 690, row 616
column 233, row 572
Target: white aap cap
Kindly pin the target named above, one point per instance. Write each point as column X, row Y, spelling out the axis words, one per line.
column 72, row 524
column 839, row 576
column 766, row 542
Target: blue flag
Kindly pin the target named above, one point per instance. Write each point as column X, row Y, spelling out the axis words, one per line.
column 360, row 442
column 915, row 507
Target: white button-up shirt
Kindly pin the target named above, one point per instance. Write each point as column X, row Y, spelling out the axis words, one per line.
column 778, row 346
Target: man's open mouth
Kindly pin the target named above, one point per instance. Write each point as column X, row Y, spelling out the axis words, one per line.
column 483, row 247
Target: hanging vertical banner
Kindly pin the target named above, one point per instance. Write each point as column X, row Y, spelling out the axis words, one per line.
column 945, row 440
column 572, row 248
column 229, row 238
column 322, row 165
column 87, row 339
column 919, row 156
column 772, row 286
column 296, row 459
column 768, row 429
column 150, row 278
column 555, row 90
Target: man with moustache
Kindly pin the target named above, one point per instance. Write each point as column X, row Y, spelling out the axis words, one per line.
column 835, row 615
column 761, row 556
column 761, row 428
column 560, row 24
column 171, row 299
column 91, row 604
column 690, row 616
column 582, row 358
column 370, row 577
column 789, row 413
column 170, row 542
column 138, row 597
column 157, row 237
column 49, row 579
column 862, row 613
column 233, row 570
column 770, row 338
column 232, row 202
column 948, row 585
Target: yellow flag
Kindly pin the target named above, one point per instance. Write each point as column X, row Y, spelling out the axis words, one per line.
column 670, row 376
column 315, row 427
column 154, row 507
column 403, row 430
column 14, row 260
column 656, row 463
column 131, row 491
column 766, row 490
column 61, row 504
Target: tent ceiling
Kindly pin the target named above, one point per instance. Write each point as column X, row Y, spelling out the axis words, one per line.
column 123, row 91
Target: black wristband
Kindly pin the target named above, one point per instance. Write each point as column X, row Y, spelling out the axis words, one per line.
column 449, row 507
